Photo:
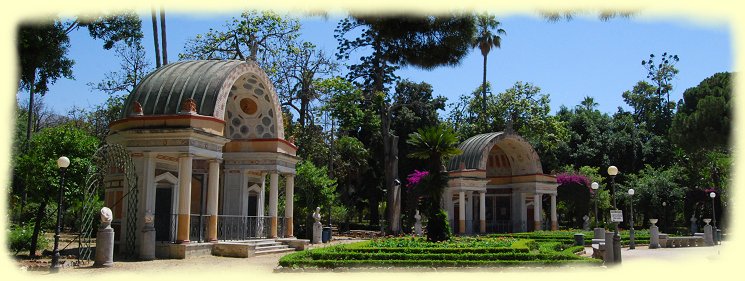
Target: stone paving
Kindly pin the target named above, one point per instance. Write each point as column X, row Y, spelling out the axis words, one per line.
column 658, row 260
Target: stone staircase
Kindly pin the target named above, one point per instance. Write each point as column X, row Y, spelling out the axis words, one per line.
column 269, row 246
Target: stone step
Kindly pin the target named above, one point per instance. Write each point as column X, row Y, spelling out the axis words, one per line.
column 265, row 248
column 274, row 251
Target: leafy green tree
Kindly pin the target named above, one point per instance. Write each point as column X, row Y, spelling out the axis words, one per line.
column 350, row 164
column 313, row 188
column 487, row 37
column 436, row 145
column 661, row 74
column 653, row 186
column 39, row 167
column 388, row 42
column 704, row 116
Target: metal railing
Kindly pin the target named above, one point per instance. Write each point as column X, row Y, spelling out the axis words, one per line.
column 228, row 227
column 246, row 227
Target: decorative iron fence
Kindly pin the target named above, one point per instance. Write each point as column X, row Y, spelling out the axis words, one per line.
column 228, row 227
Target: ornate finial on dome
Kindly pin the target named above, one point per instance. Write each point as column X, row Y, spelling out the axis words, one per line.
column 136, row 109
column 189, row 106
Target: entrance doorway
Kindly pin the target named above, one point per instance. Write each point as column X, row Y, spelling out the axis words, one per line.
column 163, row 216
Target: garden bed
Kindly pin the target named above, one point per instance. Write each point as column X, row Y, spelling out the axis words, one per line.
column 567, row 236
column 458, row 252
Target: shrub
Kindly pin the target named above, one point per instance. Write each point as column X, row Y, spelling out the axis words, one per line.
column 438, row 228
column 19, row 238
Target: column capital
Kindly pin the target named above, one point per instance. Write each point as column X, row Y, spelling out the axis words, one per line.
column 182, row 155
column 213, row 160
column 482, row 192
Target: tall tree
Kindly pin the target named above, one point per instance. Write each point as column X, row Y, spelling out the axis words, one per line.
column 662, row 74
column 436, row 145
column 302, row 65
column 704, row 117
column 154, row 20
column 259, row 36
column 487, row 37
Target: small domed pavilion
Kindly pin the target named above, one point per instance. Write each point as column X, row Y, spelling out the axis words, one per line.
column 499, row 182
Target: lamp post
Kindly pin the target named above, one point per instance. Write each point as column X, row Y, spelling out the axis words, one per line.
column 612, row 172
column 595, row 187
column 714, row 217
column 664, row 216
column 62, row 163
column 632, row 245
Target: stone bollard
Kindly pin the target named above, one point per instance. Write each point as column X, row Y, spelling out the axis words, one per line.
column 105, row 241
column 579, row 239
column 418, row 224
column 147, row 245
column 654, row 232
column 708, row 233
column 609, row 257
column 317, row 227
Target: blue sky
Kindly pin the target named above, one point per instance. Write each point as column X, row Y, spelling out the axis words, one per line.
column 567, row 59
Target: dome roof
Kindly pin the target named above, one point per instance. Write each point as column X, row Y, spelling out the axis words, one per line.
column 477, row 148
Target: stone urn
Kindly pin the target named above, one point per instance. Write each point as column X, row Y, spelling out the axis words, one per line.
column 707, row 221
column 653, row 221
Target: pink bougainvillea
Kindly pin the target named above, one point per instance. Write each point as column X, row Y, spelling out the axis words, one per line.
column 566, row 178
column 415, row 177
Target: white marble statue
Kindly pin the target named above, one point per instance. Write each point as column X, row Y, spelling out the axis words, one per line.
column 106, row 215
column 317, row 214
column 418, row 224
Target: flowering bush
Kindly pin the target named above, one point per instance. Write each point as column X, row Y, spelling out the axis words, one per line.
column 566, row 178
column 415, row 178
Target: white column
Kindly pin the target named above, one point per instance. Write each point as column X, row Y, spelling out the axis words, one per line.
column 289, row 203
column 145, row 239
column 469, row 212
column 537, row 211
column 212, row 193
column 261, row 199
column 184, row 198
column 461, row 212
column 482, row 212
column 554, row 220
column 273, row 199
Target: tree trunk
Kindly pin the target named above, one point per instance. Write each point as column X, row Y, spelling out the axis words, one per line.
column 37, row 228
column 155, row 37
column 163, row 34
column 483, row 95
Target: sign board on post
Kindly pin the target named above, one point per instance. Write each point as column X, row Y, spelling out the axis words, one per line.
column 616, row 216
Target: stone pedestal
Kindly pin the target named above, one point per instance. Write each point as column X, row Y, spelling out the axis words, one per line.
column 654, row 235
column 599, row 233
column 104, row 246
column 609, row 255
column 708, row 233
column 586, row 223
column 317, row 229
column 147, row 244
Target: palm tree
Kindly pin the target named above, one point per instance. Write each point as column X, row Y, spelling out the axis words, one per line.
column 435, row 144
column 487, row 37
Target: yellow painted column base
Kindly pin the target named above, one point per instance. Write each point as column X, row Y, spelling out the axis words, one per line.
column 273, row 227
column 182, row 233
column 212, row 236
column 482, row 226
column 554, row 225
column 288, row 227
column 461, row 226
column 537, row 226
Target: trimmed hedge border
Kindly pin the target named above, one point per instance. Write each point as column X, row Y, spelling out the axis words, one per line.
column 524, row 252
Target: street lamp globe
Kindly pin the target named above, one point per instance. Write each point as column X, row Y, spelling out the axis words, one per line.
column 612, row 171
column 631, row 191
column 712, row 195
column 63, row 162
column 594, row 185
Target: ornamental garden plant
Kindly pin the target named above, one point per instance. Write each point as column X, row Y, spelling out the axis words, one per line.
column 454, row 252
